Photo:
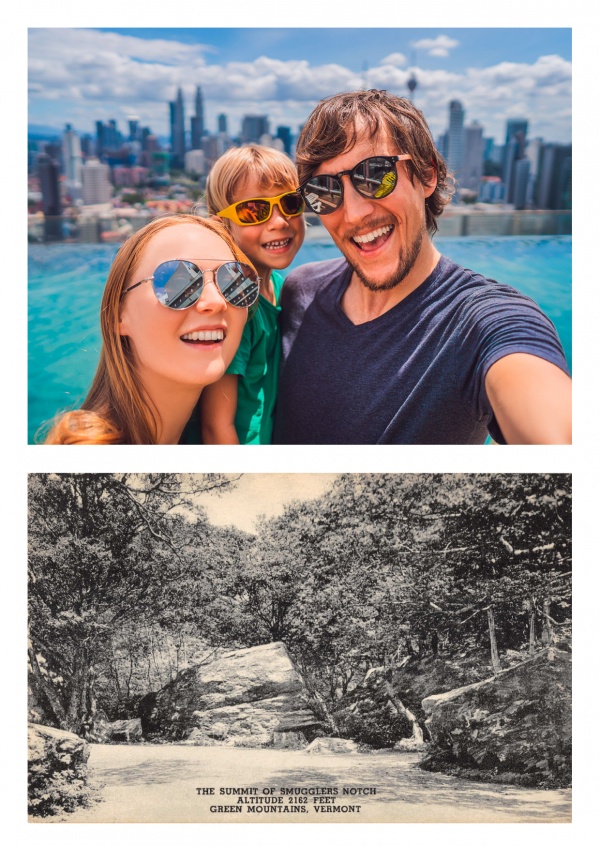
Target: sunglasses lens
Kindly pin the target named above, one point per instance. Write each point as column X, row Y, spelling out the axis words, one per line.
column 253, row 211
column 375, row 177
column 238, row 283
column 292, row 204
column 323, row 194
column 177, row 284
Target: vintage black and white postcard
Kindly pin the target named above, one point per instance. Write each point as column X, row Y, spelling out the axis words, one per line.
column 300, row 648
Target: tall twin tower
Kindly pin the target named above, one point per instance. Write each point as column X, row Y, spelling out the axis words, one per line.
column 177, row 123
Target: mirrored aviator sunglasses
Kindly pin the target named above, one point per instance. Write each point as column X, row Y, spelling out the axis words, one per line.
column 259, row 209
column 178, row 284
column 374, row 178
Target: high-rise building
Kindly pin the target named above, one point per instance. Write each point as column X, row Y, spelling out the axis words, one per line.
column 96, row 186
column 198, row 120
column 134, row 129
column 73, row 160
column 108, row 137
column 48, row 173
column 177, row 122
column 511, row 151
column 517, row 128
column 222, row 124
column 514, row 151
column 555, row 177
column 87, row 145
column 213, row 147
column 521, row 182
column 455, row 139
column 253, row 126
column 442, row 145
column 284, row 133
column 472, row 163
column 194, row 162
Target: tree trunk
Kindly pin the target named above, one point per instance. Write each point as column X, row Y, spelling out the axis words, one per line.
column 547, row 632
column 531, row 609
column 496, row 667
column 45, row 690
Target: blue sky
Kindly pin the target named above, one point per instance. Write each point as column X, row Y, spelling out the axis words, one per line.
column 86, row 74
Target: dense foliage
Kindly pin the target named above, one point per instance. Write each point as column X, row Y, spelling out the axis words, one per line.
column 129, row 582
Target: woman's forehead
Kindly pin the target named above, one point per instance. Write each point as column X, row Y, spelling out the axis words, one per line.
column 185, row 240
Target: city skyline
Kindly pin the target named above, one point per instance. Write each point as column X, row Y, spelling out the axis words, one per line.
column 77, row 76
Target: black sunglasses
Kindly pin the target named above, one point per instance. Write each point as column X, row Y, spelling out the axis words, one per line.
column 179, row 283
column 375, row 178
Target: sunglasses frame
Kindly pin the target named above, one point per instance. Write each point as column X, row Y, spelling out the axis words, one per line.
column 231, row 211
column 350, row 173
column 214, row 272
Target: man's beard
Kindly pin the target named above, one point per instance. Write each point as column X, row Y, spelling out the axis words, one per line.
column 406, row 262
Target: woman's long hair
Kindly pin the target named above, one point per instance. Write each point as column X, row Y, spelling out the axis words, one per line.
column 117, row 409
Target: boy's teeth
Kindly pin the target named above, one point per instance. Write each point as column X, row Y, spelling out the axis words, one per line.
column 272, row 245
column 209, row 335
column 370, row 236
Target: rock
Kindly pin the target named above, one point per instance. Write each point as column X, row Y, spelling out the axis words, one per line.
column 410, row 744
column 242, row 698
column 513, row 727
column 57, row 770
column 337, row 745
column 127, row 731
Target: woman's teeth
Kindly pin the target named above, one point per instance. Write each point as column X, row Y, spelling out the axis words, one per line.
column 210, row 335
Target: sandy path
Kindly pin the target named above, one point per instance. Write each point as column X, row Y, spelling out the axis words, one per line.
column 143, row 783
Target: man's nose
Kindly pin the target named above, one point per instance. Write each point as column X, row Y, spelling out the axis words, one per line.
column 355, row 206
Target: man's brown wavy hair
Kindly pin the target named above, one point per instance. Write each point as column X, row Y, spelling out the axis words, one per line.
column 339, row 122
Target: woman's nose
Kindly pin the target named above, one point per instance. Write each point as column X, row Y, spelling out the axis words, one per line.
column 211, row 298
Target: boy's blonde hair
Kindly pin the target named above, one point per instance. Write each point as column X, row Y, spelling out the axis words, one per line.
column 271, row 168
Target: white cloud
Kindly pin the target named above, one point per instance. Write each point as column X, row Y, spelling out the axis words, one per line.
column 82, row 76
column 439, row 46
column 396, row 59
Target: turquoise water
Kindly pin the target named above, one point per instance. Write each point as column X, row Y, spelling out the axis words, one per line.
column 66, row 283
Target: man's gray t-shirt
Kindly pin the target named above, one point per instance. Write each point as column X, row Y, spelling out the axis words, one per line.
column 414, row 375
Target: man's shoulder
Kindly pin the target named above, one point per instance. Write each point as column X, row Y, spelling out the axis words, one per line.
column 317, row 273
column 472, row 289
column 303, row 283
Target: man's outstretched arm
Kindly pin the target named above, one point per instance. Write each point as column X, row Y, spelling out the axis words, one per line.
column 531, row 399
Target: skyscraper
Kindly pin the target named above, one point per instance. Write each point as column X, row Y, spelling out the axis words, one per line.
column 73, row 160
column 455, row 138
column 514, row 151
column 48, row 173
column 517, row 128
column 222, row 123
column 472, row 164
column 177, row 121
column 554, row 182
column 284, row 133
column 253, row 126
column 96, row 186
column 198, row 120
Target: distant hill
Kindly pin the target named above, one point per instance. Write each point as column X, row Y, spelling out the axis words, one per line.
column 38, row 130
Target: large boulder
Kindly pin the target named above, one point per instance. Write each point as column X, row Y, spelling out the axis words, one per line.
column 514, row 727
column 57, row 770
column 247, row 697
column 328, row 745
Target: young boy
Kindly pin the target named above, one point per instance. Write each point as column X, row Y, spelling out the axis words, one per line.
column 253, row 190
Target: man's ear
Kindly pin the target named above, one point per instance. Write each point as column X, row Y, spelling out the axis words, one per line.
column 430, row 181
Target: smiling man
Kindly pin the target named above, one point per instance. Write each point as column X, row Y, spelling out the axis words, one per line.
column 394, row 343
